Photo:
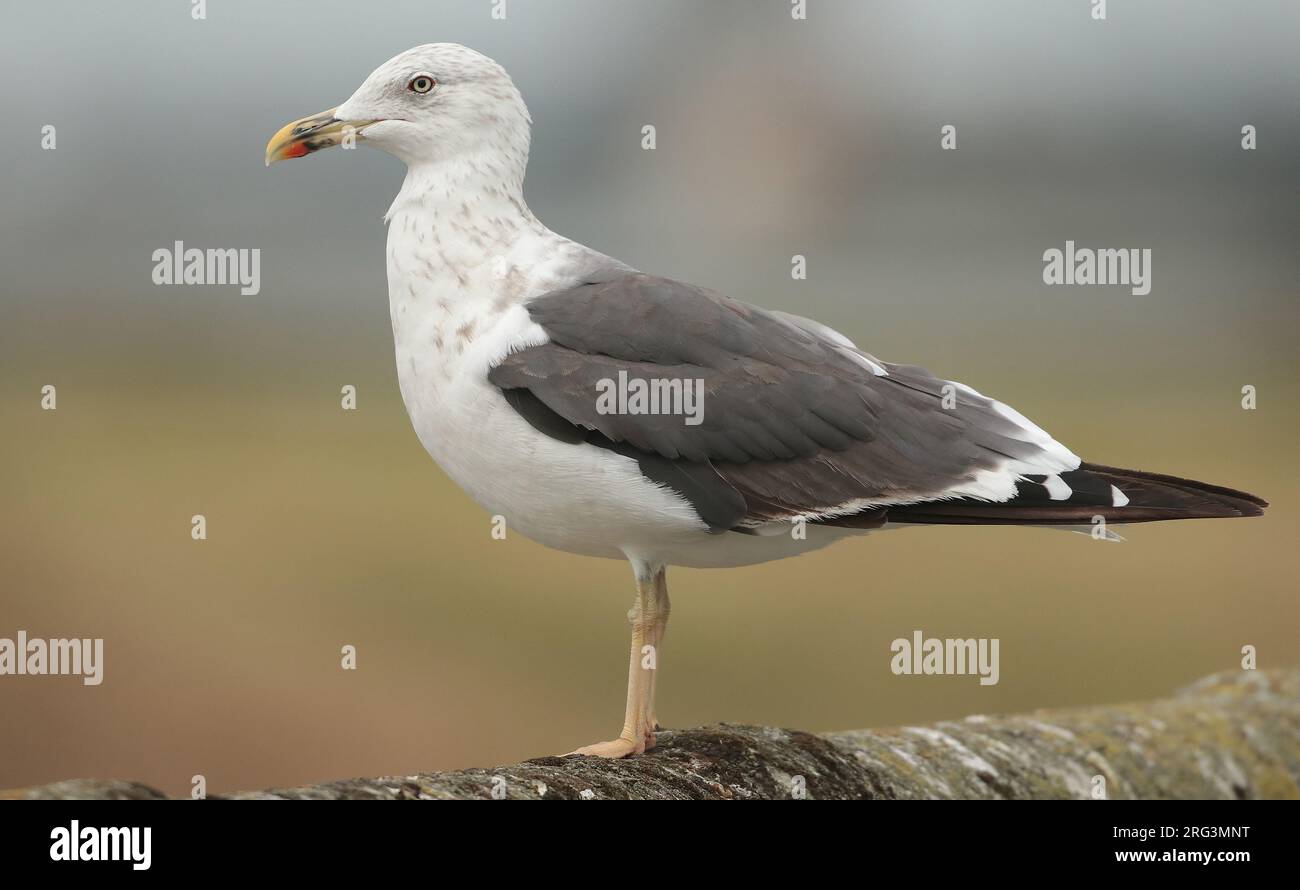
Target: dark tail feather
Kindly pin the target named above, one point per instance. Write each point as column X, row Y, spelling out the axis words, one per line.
column 1188, row 498
column 1150, row 497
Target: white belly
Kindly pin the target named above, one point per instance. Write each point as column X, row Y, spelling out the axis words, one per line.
column 578, row 498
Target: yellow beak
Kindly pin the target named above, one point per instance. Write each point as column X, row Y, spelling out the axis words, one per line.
column 302, row 137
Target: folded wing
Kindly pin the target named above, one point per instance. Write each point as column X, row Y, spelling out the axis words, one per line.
column 796, row 421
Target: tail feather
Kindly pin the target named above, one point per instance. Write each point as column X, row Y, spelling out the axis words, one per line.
column 1078, row 496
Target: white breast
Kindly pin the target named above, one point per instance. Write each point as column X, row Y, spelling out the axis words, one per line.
column 449, row 329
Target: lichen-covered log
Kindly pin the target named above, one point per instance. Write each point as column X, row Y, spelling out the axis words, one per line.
column 1232, row 735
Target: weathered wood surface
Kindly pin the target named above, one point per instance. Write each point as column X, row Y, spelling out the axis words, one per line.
column 1232, row 735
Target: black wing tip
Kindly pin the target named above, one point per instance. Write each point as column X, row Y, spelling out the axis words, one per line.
column 1196, row 499
column 1151, row 497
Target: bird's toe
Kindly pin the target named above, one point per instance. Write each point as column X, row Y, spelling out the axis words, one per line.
column 612, row 750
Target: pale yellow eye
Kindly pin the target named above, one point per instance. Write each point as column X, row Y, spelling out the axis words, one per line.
column 421, row 83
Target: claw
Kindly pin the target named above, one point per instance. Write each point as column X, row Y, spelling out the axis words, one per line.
column 613, row 750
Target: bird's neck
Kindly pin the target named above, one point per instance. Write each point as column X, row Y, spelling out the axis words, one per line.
column 467, row 185
column 463, row 251
column 460, row 232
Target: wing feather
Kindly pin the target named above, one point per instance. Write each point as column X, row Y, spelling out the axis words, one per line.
column 797, row 421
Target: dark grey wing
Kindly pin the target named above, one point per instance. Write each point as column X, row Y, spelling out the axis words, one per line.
column 795, row 420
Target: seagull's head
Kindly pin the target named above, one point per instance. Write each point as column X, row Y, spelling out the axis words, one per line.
column 431, row 103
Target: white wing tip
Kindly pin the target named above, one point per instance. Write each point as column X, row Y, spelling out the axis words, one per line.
column 1057, row 488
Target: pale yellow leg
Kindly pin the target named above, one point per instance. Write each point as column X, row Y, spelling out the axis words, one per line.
column 649, row 618
column 660, row 627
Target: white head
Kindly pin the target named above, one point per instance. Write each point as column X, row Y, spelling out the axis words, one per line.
column 434, row 103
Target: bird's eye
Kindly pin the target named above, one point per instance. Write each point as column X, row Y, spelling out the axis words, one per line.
column 421, row 83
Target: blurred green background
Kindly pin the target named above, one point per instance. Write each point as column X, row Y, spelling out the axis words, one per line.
column 775, row 137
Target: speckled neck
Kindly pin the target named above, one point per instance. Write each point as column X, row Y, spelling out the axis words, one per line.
column 455, row 230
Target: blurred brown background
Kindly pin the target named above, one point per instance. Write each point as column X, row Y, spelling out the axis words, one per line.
column 775, row 137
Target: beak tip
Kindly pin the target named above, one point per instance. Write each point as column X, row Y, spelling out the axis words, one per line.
column 302, row 137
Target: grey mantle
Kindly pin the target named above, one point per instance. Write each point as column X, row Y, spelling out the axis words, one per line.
column 1231, row 735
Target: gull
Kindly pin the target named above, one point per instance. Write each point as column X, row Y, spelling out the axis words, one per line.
column 554, row 383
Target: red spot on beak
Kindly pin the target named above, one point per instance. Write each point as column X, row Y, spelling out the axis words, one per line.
column 297, row 150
